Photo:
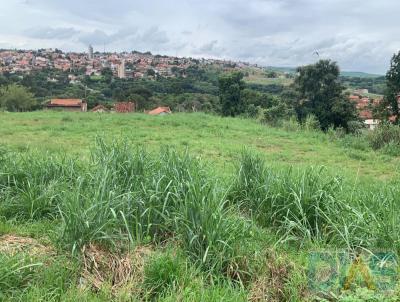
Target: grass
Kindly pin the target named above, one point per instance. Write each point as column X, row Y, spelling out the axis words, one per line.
column 223, row 222
column 216, row 139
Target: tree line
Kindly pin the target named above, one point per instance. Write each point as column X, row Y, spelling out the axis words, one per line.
column 317, row 91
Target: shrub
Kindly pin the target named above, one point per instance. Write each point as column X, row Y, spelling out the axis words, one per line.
column 291, row 125
column 355, row 127
column 311, row 123
column 384, row 134
column 392, row 148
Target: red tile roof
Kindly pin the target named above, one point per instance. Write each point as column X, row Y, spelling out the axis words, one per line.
column 65, row 102
column 159, row 110
column 354, row 98
column 366, row 115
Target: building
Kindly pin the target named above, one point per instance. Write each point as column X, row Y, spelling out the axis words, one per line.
column 369, row 121
column 90, row 52
column 100, row 109
column 160, row 111
column 121, row 70
column 77, row 105
column 124, row 107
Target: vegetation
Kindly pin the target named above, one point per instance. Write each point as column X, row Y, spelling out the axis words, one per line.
column 230, row 93
column 320, row 93
column 107, row 219
column 390, row 106
column 16, row 98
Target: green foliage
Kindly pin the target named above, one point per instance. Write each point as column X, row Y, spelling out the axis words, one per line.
column 33, row 185
column 321, row 94
column 230, row 94
column 16, row 98
column 119, row 195
column 16, row 272
column 311, row 123
column 294, row 201
column 375, row 85
column 383, row 135
column 291, row 125
column 165, row 272
column 276, row 113
column 390, row 105
column 221, row 291
column 365, row 295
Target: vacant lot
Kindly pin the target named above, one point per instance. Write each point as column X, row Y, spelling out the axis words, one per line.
column 186, row 207
column 216, row 139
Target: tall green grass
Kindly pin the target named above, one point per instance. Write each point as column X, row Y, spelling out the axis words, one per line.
column 132, row 196
column 122, row 195
column 310, row 205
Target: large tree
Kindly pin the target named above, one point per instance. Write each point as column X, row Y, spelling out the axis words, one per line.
column 16, row 98
column 230, row 94
column 320, row 93
column 390, row 104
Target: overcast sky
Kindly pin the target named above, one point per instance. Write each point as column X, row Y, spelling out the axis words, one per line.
column 361, row 35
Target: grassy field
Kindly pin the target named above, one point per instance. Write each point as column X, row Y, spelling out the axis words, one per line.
column 185, row 207
column 216, row 139
column 256, row 76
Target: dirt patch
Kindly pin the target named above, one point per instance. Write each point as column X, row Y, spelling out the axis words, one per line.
column 104, row 268
column 12, row 244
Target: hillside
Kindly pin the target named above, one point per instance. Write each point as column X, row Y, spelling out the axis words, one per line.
column 350, row 74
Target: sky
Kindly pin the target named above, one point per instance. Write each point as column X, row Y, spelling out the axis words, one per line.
column 361, row 35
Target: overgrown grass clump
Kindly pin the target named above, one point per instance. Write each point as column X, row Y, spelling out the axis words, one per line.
column 311, row 205
column 122, row 196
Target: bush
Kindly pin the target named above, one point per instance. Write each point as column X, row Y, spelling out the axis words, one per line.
column 311, row 123
column 355, row 127
column 291, row 125
column 384, row 134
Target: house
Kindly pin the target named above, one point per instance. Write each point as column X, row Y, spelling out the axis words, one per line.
column 67, row 105
column 160, row 111
column 124, row 107
column 100, row 109
column 363, row 106
column 369, row 121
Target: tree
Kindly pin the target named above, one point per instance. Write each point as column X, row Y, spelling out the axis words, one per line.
column 107, row 75
column 16, row 98
column 230, row 94
column 320, row 93
column 390, row 104
column 150, row 72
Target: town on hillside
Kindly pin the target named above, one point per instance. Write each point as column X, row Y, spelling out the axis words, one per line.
column 133, row 64
column 144, row 65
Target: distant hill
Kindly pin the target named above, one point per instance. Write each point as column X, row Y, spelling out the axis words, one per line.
column 358, row 74
column 350, row 74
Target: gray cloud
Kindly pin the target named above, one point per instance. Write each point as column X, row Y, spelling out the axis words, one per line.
column 359, row 34
column 51, row 33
